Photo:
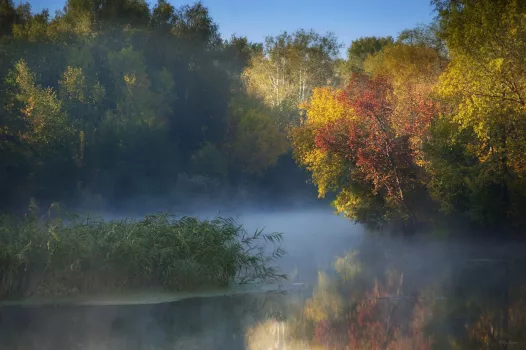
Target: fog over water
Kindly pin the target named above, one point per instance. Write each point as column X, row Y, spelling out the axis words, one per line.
column 312, row 237
column 461, row 279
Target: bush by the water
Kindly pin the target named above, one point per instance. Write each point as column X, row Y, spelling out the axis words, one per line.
column 59, row 253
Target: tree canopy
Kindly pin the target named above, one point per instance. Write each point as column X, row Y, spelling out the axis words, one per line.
column 126, row 100
column 438, row 113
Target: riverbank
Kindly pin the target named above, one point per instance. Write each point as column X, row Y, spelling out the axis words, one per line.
column 150, row 296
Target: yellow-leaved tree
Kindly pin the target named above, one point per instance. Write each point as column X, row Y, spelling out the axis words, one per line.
column 413, row 71
column 485, row 85
column 322, row 109
column 334, row 171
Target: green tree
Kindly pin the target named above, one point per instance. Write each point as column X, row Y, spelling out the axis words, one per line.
column 238, row 52
column 427, row 35
column 117, row 12
column 289, row 67
column 359, row 51
column 40, row 108
column 7, row 17
column 255, row 141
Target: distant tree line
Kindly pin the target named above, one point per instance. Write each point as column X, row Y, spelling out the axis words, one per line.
column 113, row 100
column 119, row 100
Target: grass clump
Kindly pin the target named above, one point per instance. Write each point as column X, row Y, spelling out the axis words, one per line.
column 60, row 253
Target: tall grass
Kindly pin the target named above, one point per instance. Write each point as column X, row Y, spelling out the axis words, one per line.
column 60, row 253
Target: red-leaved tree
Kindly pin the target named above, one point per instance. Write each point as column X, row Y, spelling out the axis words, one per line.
column 371, row 140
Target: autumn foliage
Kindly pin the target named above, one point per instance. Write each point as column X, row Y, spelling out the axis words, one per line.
column 437, row 122
column 125, row 99
column 375, row 139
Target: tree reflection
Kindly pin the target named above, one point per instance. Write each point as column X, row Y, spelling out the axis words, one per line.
column 374, row 318
column 375, row 300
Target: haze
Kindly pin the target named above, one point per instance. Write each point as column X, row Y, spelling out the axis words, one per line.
column 254, row 175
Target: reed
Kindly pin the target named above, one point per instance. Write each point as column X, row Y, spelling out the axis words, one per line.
column 61, row 253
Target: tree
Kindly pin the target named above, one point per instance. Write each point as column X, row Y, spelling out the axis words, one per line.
column 359, row 50
column 486, row 88
column 238, row 52
column 354, row 142
column 80, row 100
column 111, row 95
column 35, row 28
column 39, row 126
column 254, row 141
column 322, row 109
column 7, row 17
column 41, row 110
column 413, row 71
column 162, row 16
column 427, row 35
column 289, row 67
column 194, row 25
column 381, row 155
column 106, row 13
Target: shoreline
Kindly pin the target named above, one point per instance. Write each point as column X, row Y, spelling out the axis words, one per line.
column 144, row 297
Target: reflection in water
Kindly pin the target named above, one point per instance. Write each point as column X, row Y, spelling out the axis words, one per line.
column 413, row 296
column 421, row 297
column 380, row 295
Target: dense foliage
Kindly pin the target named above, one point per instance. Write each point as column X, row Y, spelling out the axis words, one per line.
column 434, row 119
column 58, row 254
column 110, row 101
column 106, row 102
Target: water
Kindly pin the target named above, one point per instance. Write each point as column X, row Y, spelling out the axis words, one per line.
column 380, row 294
column 194, row 323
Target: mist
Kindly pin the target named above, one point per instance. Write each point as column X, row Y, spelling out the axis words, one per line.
column 164, row 187
column 425, row 273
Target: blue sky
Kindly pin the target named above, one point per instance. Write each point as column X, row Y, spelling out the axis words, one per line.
column 348, row 19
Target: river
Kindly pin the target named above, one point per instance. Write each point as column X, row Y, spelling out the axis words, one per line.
column 346, row 290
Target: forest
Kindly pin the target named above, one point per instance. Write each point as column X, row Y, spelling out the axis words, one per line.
column 101, row 104
column 109, row 101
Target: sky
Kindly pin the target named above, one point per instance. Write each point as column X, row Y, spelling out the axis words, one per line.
column 348, row 19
